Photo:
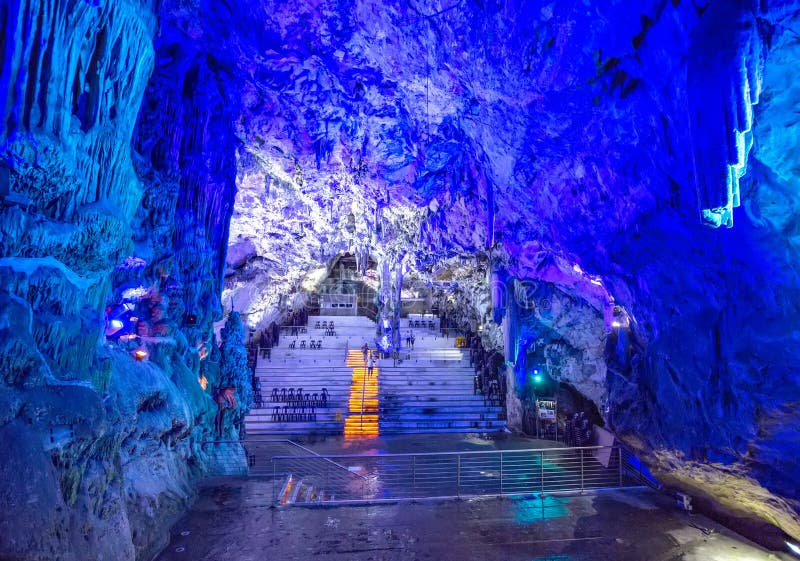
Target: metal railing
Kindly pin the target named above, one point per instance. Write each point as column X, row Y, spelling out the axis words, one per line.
column 254, row 458
column 392, row 477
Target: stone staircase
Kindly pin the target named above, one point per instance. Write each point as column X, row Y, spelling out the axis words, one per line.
column 430, row 389
column 312, row 370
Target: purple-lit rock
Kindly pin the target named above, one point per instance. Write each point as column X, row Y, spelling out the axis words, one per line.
column 567, row 150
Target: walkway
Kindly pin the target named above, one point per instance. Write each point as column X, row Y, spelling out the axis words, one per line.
column 230, row 522
column 362, row 406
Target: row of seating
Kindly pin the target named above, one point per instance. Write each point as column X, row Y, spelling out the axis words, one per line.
column 297, row 397
column 312, row 344
column 324, row 325
column 421, row 324
column 296, row 414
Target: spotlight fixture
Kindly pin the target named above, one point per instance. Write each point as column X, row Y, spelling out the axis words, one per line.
column 116, row 324
column 794, row 548
column 140, row 354
column 616, row 324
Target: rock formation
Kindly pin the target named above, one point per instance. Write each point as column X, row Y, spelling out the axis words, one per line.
column 580, row 155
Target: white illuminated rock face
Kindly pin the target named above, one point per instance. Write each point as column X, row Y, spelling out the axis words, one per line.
column 287, row 225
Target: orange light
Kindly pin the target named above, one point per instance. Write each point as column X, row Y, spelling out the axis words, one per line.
column 140, row 354
column 288, row 491
column 203, row 381
column 363, row 419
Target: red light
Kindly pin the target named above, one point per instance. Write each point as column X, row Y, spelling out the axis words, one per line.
column 140, row 354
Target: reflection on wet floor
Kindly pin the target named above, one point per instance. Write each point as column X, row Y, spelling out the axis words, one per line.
column 230, row 522
column 530, row 511
column 419, row 443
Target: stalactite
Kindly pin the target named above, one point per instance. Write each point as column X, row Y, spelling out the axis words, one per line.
column 490, row 212
column 724, row 82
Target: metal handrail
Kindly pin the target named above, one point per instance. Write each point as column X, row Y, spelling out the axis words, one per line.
column 409, row 476
column 311, row 453
column 464, row 453
column 363, row 391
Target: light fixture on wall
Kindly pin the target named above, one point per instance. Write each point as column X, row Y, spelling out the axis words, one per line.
column 794, row 548
column 620, row 318
column 140, row 354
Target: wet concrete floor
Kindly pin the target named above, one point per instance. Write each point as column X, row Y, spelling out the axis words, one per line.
column 233, row 521
column 422, row 443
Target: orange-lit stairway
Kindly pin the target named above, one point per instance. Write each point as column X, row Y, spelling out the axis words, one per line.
column 362, row 415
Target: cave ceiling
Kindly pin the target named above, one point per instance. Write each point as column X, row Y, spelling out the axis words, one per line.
column 473, row 124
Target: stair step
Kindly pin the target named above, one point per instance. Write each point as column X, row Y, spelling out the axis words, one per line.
column 430, row 390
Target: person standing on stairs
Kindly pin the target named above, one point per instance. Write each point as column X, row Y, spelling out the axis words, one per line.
column 411, row 339
column 365, row 351
column 370, row 366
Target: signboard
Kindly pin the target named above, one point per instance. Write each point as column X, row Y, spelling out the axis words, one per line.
column 547, row 409
column 547, row 414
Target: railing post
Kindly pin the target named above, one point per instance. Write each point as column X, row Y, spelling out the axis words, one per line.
column 501, row 472
column 414, row 475
column 458, row 476
column 541, row 471
column 581, row 470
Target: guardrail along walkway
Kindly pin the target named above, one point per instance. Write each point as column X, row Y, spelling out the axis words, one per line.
column 388, row 477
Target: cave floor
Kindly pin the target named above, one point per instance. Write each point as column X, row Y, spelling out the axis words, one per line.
column 233, row 521
column 421, row 443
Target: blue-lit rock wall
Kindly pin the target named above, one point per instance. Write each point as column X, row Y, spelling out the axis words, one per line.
column 100, row 451
column 703, row 382
column 186, row 161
